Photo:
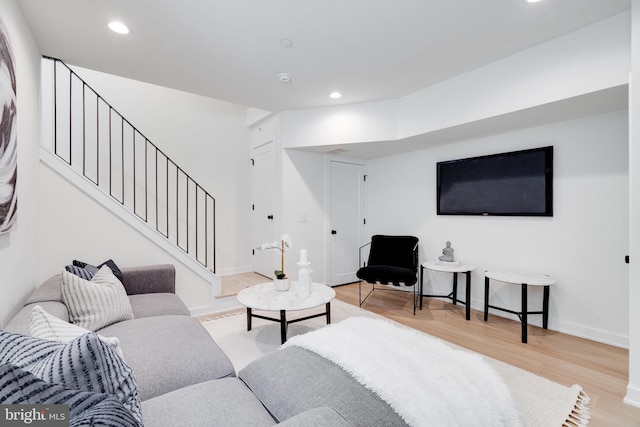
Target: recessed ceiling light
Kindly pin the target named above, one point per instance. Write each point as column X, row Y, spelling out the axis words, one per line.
column 118, row 27
column 335, row 95
column 533, row 1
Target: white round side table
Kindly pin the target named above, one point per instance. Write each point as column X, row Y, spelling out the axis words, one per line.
column 524, row 280
column 453, row 296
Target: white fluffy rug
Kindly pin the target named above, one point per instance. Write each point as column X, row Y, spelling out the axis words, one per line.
column 439, row 385
column 544, row 403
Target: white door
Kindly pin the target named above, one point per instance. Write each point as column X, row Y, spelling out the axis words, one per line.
column 263, row 205
column 346, row 221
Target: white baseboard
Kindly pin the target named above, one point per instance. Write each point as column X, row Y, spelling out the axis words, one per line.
column 569, row 328
column 220, row 305
column 594, row 334
column 633, row 396
column 235, row 270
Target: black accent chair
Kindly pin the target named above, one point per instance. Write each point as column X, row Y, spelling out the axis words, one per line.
column 393, row 260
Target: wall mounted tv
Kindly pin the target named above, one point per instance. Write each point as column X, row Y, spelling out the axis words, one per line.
column 514, row 183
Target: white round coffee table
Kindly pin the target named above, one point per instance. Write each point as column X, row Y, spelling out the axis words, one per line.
column 265, row 297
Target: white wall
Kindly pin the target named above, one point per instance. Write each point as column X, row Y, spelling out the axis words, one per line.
column 583, row 245
column 365, row 122
column 75, row 226
column 633, row 389
column 299, row 199
column 18, row 249
column 206, row 137
column 304, row 208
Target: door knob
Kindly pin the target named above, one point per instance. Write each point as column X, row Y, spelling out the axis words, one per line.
column 269, row 216
column 334, row 232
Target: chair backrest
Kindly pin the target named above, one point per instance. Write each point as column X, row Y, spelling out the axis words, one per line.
column 396, row 251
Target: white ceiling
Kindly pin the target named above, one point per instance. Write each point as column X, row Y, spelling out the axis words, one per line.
column 367, row 49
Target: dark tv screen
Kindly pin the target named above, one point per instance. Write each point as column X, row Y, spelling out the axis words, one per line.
column 515, row 183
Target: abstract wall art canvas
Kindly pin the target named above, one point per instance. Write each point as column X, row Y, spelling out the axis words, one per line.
column 8, row 138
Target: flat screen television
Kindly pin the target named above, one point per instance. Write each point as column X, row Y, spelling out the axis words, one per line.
column 514, row 183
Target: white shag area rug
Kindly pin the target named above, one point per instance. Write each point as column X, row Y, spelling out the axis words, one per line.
column 424, row 380
column 543, row 403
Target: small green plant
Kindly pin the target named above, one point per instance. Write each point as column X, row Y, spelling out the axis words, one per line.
column 280, row 274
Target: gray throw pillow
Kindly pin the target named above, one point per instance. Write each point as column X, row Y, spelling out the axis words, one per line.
column 109, row 263
column 20, row 387
column 86, row 364
column 86, row 272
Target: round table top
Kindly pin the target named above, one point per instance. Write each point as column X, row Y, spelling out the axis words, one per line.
column 518, row 278
column 265, row 297
column 449, row 268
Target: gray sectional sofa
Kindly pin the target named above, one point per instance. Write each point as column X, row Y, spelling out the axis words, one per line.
column 185, row 379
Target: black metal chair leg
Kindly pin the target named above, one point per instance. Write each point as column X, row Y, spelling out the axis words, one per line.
column 415, row 295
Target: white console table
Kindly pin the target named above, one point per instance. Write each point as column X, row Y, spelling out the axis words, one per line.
column 524, row 280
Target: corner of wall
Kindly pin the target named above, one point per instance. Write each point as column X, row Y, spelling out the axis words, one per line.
column 633, row 396
column 255, row 116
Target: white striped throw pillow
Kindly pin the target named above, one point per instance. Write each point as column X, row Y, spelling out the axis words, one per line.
column 96, row 303
column 48, row 327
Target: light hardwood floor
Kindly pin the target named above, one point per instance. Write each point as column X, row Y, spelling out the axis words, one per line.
column 234, row 283
column 600, row 369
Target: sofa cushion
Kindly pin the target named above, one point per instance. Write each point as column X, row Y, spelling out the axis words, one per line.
column 317, row 417
column 96, row 303
column 20, row 387
column 147, row 279
column 223, row 402
column 136, row 280
column 49, row 290
column 86, row 364
column 147, row 305
column 169, row 352
column 49, row 327
column 21, row 322
column 293, row 380
column 142, row 305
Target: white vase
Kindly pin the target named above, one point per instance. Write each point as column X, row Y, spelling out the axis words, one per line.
column 281, row 285
column 304, row 280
